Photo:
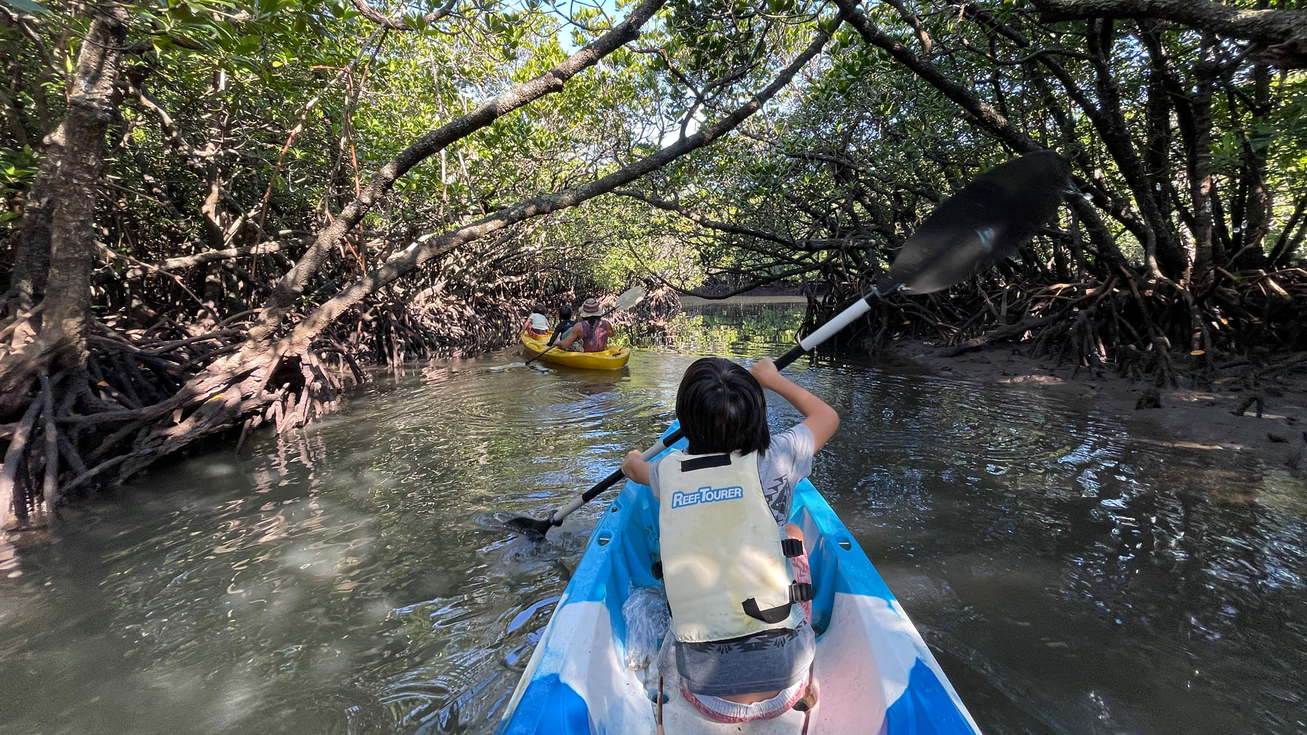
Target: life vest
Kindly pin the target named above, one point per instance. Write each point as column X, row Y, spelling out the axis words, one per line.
column 594, row 338
column 562, row 330
column 723, row 559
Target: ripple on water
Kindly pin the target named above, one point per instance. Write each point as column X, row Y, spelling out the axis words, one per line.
column 357, row 577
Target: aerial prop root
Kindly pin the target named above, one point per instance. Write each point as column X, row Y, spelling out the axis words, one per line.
column 1146, row 328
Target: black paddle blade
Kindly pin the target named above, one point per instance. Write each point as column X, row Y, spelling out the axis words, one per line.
column 530, row 527
column 982, row 224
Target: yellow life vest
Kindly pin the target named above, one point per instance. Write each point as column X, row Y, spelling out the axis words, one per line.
column 723, row 561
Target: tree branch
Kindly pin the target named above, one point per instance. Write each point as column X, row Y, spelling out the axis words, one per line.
column 399, row 24
column 169, row 126
column 703, row 221
column 190, row 261
column 431, row 246
column 293, row 282
column 1282, row 33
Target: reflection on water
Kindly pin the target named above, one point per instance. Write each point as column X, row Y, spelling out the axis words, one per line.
column 356, row 578
column 728, row 329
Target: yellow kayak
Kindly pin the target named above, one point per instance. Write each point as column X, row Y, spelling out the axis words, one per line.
column 612, row 359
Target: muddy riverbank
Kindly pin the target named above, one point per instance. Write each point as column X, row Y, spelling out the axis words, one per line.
column 1268, row 421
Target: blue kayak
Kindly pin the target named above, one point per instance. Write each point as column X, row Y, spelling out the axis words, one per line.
column 873, row 670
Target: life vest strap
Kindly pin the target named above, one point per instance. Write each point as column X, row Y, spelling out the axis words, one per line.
column 799, row 592
column 705, row 462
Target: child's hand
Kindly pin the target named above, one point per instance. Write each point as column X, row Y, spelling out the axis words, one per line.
column 634, row 467
column 765, row 372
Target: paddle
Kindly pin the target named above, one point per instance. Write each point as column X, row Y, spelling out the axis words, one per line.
column 980, row 225
column 630, row 297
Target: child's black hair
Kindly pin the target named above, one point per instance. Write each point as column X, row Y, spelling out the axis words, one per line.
column 722, row 409
column 564, row 312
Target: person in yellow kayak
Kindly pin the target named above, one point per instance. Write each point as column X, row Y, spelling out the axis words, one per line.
column 565, row 323
column 735, row 572
column 536, row 324
column 592, row 330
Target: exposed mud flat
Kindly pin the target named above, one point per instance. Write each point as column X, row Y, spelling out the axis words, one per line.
column 1218, row 419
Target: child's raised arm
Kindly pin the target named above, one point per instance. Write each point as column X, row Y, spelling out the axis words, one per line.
column 820, row 418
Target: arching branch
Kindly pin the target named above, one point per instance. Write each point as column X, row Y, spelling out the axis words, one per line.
column 430, row 247
column 293, row 283
column 401, row 24
column 702, row 221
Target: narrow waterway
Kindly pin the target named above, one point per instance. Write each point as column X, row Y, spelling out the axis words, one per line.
column 356, row 577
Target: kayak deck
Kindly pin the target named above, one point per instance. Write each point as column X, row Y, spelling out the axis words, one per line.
column 611, row 359
column 874, row 672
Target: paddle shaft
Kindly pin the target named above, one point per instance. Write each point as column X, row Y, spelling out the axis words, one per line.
column 983, row 223
column 542, row 354
column 805, row 345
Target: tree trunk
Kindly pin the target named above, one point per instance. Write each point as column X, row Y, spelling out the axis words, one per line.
column 1200, row 167
column 1258, row 207
column 77, row 171
column 1163, row 250
column 32, row 253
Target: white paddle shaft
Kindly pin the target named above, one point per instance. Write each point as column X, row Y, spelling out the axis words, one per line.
column 837, row 322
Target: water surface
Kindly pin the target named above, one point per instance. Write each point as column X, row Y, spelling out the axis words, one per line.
column 356, row 578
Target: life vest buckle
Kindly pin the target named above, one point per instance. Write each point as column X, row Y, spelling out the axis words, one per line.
column 791, row 547
column 799, row 592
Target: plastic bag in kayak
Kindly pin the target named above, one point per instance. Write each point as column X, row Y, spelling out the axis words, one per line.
column 647, row 620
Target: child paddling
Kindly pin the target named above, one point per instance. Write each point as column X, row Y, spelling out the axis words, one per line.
column 735, row 572
column 565, row 324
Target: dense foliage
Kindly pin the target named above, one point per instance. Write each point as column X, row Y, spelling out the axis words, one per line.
column 1186, row 221
column 216, row 213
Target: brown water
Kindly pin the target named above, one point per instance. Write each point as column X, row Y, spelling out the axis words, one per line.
column 356, row 578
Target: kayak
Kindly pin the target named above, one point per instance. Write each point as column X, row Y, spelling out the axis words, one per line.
column 873, row 670
column 612, row 359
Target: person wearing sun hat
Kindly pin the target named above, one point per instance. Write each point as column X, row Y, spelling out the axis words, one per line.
column 592, row 329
